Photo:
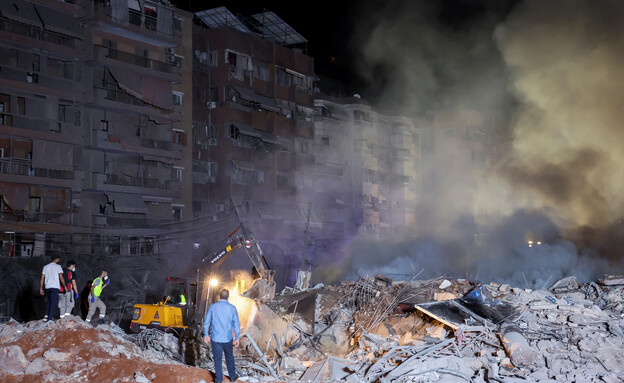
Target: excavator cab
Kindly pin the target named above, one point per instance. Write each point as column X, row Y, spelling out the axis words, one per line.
column 175, row 311
column 185, row 301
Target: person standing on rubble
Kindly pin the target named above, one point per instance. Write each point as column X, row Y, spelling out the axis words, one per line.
column 52, row 280
column 220, row 321
column 95, row 302
column 67, row 296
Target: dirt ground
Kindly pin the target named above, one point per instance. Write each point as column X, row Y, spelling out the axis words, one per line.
column 69, row 350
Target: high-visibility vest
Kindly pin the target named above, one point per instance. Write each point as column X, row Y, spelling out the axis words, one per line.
column 97, row 290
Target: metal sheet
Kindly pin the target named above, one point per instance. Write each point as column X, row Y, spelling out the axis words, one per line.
column 20, row 11
column 127, row 80
column 59, row 22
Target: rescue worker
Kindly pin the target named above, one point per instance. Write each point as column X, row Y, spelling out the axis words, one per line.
column 67, row 296
column 220, row 321
column 95, row 302
column 52, row 280
column 182, row 299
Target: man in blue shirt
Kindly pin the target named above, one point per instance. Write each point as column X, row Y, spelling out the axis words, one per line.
column 222, row 318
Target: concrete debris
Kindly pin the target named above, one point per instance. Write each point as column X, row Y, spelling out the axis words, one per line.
column 371, row 330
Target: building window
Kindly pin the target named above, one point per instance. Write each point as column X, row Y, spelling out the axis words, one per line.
column 21, row 105
column 177, row 98
column 212, row 131
column 104, row 125
column 325, row 141
column 178, row 173
column 261, row 71
column 282, row 77
column 36, row 63
column 32, row 78
column 282, row 182
column 179, row 137
column 214, row 58
column 234, row 132
column 62, row 112
column 176, row 213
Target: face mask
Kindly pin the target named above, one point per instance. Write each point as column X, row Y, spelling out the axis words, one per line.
column 106, row 277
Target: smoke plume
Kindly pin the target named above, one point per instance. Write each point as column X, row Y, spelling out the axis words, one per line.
column 551, row 74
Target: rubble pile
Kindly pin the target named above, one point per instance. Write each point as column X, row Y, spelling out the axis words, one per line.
column 70, row 350
column 374, row 330
column 370, row 330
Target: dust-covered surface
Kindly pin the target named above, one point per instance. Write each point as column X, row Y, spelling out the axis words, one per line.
column 370, row 330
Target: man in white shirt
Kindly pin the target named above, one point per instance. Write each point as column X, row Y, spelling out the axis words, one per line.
column 52, row 279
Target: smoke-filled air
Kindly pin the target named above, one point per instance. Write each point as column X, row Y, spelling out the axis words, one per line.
column 544, row 80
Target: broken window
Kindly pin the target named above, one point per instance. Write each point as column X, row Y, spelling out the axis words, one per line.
column 282, row 77
column 176, row 212
column 214, row 58
column 240, row 65
column 234, row 132
column 261, row 71
column 178, row 173
column 200, row 60
column 177, row 98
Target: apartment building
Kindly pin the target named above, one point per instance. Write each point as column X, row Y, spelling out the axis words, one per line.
column 375, row 161
column 253, row 125
column 467, row 144
column 93, row 138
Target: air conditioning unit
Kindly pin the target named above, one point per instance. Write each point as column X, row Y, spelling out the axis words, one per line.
column 211, row 105
column 170, row 57
column 213, row 142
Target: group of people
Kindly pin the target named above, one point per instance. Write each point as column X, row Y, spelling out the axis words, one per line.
column 221, row 324
column 61, row 289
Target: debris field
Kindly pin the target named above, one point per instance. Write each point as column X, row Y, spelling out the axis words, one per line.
column 370, row 330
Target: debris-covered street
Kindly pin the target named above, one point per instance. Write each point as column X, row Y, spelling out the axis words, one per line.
column 370, row 330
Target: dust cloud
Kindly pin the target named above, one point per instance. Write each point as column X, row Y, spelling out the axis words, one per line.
column 551, row 74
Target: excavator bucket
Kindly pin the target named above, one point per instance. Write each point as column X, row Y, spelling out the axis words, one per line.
column 261, row 290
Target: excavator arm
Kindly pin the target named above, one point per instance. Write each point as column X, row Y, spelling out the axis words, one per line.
column 263, row 288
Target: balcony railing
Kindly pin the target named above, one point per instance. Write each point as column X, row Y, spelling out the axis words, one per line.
column 37, row 217
column 22, row 167
column 133, row 59
column 36, row 33
column 128, row 180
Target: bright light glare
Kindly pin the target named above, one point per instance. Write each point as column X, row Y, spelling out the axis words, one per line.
column 530, row 242
column 213, row 282
column 539, row 243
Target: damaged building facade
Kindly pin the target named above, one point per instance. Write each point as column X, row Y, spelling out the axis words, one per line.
column 130, row 141
column 92, row 142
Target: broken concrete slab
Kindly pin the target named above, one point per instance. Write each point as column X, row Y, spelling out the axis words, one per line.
column 12, row 359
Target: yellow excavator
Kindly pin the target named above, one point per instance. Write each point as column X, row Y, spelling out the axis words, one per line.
column 186, row 300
